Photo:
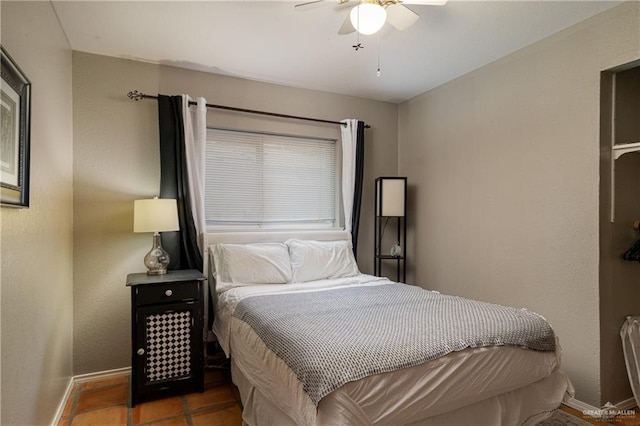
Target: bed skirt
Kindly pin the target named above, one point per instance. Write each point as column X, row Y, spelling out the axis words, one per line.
column 524, row 406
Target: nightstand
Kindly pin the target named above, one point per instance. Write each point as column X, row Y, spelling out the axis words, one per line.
column 166, row 334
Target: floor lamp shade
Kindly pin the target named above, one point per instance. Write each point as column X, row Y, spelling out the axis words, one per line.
column 156, row 215
column 391, row 196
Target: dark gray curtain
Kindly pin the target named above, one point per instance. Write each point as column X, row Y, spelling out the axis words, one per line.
column 357, row 192
column 182, row 245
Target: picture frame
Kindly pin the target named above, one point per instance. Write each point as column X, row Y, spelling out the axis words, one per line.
column 15, row 143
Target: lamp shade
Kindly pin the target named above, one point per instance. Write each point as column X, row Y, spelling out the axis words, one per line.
column 391, row 195
column 155, row 215
column 368, row 18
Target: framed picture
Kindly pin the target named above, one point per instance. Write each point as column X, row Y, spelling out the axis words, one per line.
column 15, row 92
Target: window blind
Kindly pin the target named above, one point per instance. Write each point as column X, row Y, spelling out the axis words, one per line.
column 265, row 181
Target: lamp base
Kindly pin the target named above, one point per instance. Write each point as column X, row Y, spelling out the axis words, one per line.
column 157, row 260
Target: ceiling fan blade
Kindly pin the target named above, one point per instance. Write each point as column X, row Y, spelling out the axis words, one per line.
column 400, row 16
column 347, row 27
column 426, row 2
column 317, row 3
column 311, row 5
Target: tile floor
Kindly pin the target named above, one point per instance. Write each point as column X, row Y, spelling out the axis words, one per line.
column 103, row 402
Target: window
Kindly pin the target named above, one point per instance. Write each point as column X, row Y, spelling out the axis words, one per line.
column 256, row 180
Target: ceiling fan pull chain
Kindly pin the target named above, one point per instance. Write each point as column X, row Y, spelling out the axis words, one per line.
column 378, row 38
column 358, row 45
column 358, row 32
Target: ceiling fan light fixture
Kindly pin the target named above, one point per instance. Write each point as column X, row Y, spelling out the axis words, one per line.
column 368, row 18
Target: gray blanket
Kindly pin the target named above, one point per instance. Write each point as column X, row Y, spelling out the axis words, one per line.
column 329, row 338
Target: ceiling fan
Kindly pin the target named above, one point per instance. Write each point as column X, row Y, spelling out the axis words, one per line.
column 370, row 15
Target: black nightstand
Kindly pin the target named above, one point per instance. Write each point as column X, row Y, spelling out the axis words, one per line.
column 166, row 334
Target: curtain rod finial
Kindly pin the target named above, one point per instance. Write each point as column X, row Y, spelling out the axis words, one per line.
column 135, row 95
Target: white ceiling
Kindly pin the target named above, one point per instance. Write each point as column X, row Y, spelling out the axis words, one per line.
column 272, row 42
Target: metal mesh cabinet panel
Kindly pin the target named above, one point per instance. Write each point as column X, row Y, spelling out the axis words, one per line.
column 168, row 346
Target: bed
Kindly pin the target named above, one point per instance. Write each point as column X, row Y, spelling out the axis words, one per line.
column 313, row 341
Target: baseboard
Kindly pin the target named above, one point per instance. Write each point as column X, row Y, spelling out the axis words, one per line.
column 81, row 378
column 627, row 404
column 63, row 403
column 600, row 412
column 576, row 404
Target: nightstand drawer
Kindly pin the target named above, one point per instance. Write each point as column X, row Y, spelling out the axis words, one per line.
column 167, row 293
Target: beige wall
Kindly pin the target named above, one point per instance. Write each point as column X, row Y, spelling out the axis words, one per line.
column 116, row 160
column 504, row 168
column 37, row 273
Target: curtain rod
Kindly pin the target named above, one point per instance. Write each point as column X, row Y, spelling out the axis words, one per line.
column 136, row 96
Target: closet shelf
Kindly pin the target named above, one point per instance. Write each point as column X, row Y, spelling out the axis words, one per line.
column 621, row 149
column 617, row 151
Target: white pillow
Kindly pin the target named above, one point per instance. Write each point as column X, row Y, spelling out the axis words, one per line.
column 249, row 264
column 319, row 260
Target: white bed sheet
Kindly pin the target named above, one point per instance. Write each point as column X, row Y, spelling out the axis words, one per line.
column 399, row 397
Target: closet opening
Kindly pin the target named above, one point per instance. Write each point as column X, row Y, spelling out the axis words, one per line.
column 619, row 209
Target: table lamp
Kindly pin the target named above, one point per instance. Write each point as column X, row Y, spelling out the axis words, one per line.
column 155, row 215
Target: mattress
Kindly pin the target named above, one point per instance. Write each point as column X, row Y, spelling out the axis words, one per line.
column 408, row 395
